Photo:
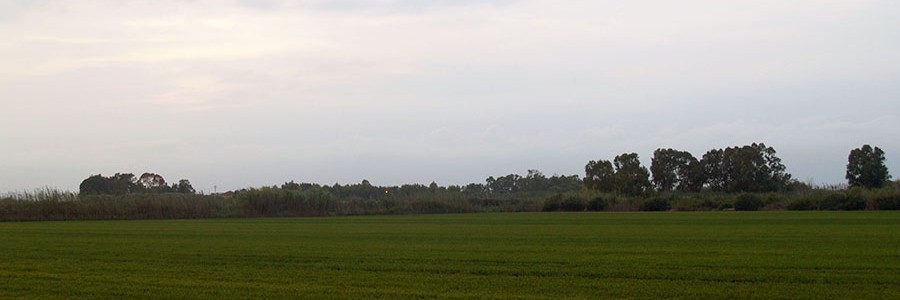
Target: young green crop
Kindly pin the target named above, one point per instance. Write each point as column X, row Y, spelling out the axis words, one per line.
column 759, row 255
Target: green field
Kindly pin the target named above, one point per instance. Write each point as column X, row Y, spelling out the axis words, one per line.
column 763, row 255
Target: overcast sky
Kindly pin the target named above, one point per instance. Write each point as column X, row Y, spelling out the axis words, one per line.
column 247, row 93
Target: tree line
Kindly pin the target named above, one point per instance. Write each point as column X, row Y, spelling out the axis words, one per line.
column 751, row 168
column 127, row 183
column 749, row 177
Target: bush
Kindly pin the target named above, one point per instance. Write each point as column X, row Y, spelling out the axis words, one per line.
column 434, row 207
column 573, row 203
column 888, row 202
column 560, row 202
column 707, row 204
column 596, row 204
column 552, row 203
column 748, row 202
column 802, row 204
column 655, row 204
column 774, row 201
column 842, row 201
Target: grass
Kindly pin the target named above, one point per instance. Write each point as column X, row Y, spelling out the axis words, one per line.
column 759, row 255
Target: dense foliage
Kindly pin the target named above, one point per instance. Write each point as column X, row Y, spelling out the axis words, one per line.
column 751, row 168
column 749, row 177
column 304, row 199
column 676, row 170
column 127, row 183
column 865, row 167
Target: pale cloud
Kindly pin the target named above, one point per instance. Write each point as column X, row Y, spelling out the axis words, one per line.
column 252, row 92
column 192, row 93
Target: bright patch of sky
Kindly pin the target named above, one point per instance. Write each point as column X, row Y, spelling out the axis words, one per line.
column 246, row 93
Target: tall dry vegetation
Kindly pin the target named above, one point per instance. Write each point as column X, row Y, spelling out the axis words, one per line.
column 49, row 204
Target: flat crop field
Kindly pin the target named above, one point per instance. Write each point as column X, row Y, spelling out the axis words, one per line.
column 765, row 255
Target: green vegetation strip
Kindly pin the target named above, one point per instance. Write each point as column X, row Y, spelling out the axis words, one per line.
column 765, row 255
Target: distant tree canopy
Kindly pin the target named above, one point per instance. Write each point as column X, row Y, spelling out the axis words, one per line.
column 676, row 170
column 749, row 168
column 533, row 182
column 127, row 183
column 624, row 185
column 152, row 182
column 866, row 168
column 631, row 178
column 753, row 168
column 628, row 177
column 599, row 175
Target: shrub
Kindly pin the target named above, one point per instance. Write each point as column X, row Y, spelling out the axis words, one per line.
column 559, row 202
column 888, row 202
column 842, row 201
column 655, row 204
column 802, row 204
column 573, row 203
column 433, row 207
column 748, row 202
column 552, row 203
column 596, row 204
column 707, row 204
column 621, row 204
column 774, row 201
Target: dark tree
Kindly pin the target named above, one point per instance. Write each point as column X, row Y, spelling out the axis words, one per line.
column 562, row 183
column 94, row 185
column 153, row 182
column 693, row 178
column 412, row 189
column 713, row 169
column 866, row 168
column 184, row 186
column 118, row 184
column 123, row 183
column 364, row 190
column 600, row 176
column 506, row 184
column 291, row 186
column 631, row 178
column 756, row 168
column 535, row 181
column 673, row 169
column 750, row 168
column 433, row 187
column 474, row 189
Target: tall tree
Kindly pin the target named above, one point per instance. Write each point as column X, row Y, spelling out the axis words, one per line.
column 184, row 186
column 631, row 177
column 474, row 189
column 123, row 183
column 505, row 184
column 749, row 168
column 866, row 168
column 562, row 183
column 94, row 185
column 673, row 169
column 153, row 182
column 693, row 178
column 600, row 176
column 534, row 181
column 713, row 169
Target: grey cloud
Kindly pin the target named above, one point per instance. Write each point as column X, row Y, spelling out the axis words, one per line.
column 401, row 91
column 370, row 6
